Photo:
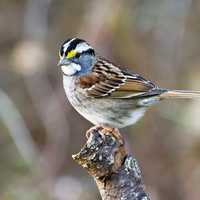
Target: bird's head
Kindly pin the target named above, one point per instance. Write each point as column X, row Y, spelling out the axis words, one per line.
column 76, row 57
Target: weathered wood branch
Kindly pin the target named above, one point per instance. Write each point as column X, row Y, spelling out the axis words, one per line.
column 116, row 173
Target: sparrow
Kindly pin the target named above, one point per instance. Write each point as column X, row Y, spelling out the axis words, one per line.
column 104, row 93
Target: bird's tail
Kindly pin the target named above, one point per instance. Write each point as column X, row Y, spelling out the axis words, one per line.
column 180, row 94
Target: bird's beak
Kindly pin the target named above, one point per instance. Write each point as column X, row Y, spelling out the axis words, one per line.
column 63, row 61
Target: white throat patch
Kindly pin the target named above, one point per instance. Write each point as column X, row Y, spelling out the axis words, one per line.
column 70, row 69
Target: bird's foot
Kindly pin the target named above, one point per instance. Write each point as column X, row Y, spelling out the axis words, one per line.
column 106, row 130
column 114, row 132
column 93, row 128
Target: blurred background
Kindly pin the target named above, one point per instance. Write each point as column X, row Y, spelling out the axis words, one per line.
column 39, row 130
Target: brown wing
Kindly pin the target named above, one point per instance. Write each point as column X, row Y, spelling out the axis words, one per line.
column 108, row 80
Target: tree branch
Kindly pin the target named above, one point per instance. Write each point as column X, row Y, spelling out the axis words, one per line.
column 116, row 173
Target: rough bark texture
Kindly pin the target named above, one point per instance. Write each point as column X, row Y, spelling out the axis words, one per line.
column 116, row 173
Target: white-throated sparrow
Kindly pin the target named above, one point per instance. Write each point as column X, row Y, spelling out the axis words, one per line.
column 102, row 92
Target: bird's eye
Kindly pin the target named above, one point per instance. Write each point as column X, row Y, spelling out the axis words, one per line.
column 77, row 55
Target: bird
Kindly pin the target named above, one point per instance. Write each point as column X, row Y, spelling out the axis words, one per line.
column 107, row 94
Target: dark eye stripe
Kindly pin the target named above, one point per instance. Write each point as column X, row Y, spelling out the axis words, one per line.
column 77, row 55
column 89, row 51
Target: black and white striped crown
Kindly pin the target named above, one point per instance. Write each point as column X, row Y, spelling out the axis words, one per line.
column 79, row 45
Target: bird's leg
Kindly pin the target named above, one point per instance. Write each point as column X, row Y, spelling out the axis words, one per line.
column 114, row 131
column 106, row 130
column 93, row 128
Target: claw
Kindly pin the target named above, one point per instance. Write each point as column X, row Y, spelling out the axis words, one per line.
column 94, row 128
column 106, row 130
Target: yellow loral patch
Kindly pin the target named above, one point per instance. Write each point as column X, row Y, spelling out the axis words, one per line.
column 71, row 54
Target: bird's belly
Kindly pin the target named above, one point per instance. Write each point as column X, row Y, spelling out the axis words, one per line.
column 111, row 117
column 117, row 113
column 111, row 113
